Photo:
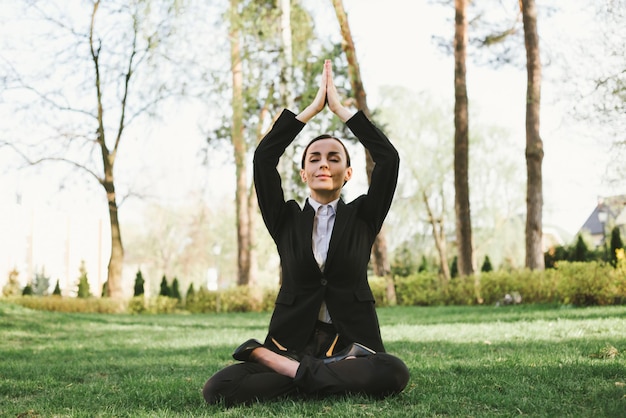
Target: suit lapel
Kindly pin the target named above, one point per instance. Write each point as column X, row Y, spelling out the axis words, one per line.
column 306, row 227
column 341, row 220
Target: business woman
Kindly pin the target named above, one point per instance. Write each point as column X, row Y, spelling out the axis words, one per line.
column 324, row 337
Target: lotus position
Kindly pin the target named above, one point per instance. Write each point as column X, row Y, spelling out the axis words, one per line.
column 323, row 337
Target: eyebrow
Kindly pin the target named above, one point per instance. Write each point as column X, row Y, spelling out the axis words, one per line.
column 331, row 153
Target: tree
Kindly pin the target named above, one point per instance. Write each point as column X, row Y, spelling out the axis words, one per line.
column 239, row 147
column 57, row 289
column 534, row 143
column 616, row 244
column 256, row 44
column 164, row 288
column 190, row 292
column 465, row 260
column 12, row 286
column 83, row 283
column 95, row 78
column 580, row 252
column 139, row 284
column 41, row 283
column 28, row 290
column 379, row 250
column 486, row 267
column 175, row 290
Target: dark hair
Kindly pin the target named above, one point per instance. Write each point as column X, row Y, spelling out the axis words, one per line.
column 325, row 136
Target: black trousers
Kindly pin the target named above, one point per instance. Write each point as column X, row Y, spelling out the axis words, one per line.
column 379, row 375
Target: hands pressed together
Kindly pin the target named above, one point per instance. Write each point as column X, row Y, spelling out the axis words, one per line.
column 327, row 94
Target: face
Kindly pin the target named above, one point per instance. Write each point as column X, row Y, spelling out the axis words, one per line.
column 325, row 169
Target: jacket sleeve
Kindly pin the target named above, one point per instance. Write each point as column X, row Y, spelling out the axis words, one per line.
column 385, row 173
column 266, row 177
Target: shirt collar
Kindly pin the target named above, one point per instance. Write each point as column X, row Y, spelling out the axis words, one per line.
column 316, row 205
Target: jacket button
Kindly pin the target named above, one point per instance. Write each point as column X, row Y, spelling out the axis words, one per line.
column 323, row 282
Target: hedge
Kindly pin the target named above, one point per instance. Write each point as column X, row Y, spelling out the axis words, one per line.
column 569, row 283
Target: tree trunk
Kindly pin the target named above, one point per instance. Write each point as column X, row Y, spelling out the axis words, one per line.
column 534, row 144
column 239, row 149
column 115, row 289
column 440, row 241
column 380, row 257
column 461, row 144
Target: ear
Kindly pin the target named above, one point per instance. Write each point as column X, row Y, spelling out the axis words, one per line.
column 348, row 174
column 303, row 175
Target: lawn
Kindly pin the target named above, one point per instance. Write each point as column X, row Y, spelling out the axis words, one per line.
column 536, row 361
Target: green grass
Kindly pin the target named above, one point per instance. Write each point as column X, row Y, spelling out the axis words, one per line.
column 538, row 361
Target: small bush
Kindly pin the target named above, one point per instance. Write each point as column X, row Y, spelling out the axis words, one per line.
column 157, row 305
column 379, row 290
column 585, row 284
column 73, row 305
column 235, row 299
column 421, row 289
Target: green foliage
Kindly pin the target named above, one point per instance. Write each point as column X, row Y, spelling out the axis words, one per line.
column 28, row 290
column 581, row 252
column 41, row 284
column 236, row 299
column 12, row 286
column 486, row 267
column 421, row 289
column 57, row 289
column 594, row 283
column 616, row 244
column 454, row 267
column 569, row 283
column 105, row 289
column 83, row 282
column 175, row 291
column 157, row 305
column 190, row 291
column 164, row 288
column 72, row 305
column 379, row 290
column 139, row 284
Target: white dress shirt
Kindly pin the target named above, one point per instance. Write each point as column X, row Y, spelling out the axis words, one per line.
column 322, row 230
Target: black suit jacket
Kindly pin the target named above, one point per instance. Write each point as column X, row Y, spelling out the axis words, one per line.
column 343, row 283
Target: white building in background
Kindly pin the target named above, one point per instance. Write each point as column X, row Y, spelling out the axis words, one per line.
column 36, row 237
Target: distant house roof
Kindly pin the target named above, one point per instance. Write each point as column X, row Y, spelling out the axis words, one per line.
column 614, row 211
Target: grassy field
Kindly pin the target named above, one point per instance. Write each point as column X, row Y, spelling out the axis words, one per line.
column 464, row 361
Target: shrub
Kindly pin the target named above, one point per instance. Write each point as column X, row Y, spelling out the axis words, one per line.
column 421, row 289
column 72, row 305
column 235, row 299
column 57, row 289
column 585, row 284
column 12, row 287
column 83, row 282
column 164, row 289
column 175, row 291
column 139, row 284
column 379, row 290
column 156, row 305
column 460, row 291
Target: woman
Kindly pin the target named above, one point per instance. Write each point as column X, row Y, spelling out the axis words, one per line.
column 324, row 336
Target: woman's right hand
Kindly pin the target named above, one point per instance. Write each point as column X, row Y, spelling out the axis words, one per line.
column 332, row 96
column 319, row 102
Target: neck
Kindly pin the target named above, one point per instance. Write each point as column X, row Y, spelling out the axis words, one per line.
column 325, row 198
